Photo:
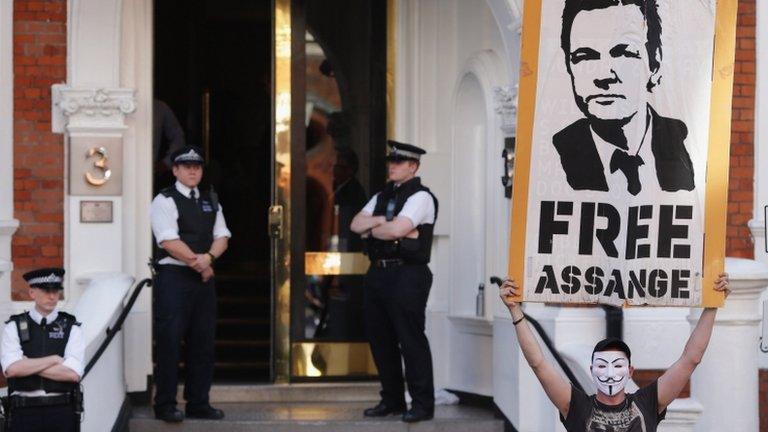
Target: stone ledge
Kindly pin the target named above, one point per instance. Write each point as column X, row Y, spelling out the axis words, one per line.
column 742, row 269
column 8, row 227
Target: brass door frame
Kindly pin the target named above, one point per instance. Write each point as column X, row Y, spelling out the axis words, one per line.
column 287, row 228
column 280, row 212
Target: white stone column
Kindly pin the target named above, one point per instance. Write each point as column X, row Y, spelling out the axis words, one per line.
column 8, row 224
column 726, row 381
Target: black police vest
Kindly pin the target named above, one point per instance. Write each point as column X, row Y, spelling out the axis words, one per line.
column 195, row 220
column 50, row 339
column 412, row 251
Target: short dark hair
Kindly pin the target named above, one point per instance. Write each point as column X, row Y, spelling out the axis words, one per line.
column 648, row 8
column 612, row 344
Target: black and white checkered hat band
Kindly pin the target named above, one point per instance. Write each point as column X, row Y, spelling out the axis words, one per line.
column 190, row 156
column 397, row 153
column 51, row 278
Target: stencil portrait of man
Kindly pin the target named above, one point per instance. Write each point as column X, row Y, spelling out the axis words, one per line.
column 613, row 54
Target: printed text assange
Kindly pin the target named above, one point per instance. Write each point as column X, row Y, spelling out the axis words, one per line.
column 555, row 218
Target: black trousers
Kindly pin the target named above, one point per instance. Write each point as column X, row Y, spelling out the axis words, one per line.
column 184, row 309
column 57, row 418
column 394, row 304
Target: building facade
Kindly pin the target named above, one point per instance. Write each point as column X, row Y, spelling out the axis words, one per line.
column 82, row 74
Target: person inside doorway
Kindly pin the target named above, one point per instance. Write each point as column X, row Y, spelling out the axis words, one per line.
column 612, row 408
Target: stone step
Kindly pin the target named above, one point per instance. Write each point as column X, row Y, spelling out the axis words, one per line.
column 289, row 393
column 319, row 417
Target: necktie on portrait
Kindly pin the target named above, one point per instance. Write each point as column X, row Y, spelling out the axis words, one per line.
column 193, row 196
column 628, row 164
column 43, row 322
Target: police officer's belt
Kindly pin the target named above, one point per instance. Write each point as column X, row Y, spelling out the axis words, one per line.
column 40, row 401
column 384, row 263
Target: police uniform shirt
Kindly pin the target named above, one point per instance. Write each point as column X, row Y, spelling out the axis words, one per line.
column 74, row 352
column 164, row 216
column 419, row 208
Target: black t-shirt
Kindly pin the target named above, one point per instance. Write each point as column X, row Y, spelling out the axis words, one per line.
column 638, row 412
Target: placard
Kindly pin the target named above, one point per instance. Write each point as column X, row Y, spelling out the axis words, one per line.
column 623, row 149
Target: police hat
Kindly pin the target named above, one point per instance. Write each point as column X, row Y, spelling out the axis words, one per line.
column 48, row 279
column 611, row 344
column 187, row 155
column 401, row 152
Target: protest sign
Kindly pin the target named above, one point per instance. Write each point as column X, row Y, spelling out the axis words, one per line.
column 620, row 192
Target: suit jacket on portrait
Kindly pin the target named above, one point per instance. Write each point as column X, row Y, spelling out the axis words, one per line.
column 584, row 169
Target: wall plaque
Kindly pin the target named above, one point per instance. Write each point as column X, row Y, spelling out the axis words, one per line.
column 96, row 211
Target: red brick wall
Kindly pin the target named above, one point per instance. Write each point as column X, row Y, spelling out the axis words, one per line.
column 740, row 194
column 39, row 60
column 763, row 400
column 643, row 377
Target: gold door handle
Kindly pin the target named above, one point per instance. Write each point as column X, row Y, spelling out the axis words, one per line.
column 276, row 221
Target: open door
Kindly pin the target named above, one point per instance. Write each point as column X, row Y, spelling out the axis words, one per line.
column 330, row 123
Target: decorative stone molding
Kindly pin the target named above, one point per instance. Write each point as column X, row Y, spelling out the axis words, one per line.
column 90, row 107
column 757, row 231
column 505, row 101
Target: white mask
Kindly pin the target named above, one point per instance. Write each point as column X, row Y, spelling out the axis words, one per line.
column 610, row 371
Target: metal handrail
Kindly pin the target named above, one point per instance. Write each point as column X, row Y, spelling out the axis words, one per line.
column 547, row 342
column 112, row 331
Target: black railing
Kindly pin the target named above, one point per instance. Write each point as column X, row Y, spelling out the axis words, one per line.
column 112, row 331
column 548, row 342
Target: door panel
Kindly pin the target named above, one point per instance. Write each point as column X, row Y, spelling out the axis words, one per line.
column 330, row 114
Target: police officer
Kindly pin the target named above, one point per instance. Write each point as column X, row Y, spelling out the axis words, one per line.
column 42, row 357
column 398, row 223
column 190, row 230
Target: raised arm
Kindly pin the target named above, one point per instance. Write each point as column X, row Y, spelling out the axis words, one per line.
column 557, row 388
column 671, row 383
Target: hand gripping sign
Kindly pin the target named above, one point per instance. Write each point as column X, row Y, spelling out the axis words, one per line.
column 620, row 192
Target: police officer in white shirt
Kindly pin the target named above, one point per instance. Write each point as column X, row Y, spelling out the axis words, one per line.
column 190, row 230
column 398, row 223
column 42, row 357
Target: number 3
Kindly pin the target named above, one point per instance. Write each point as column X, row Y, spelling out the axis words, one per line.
column 100, row 164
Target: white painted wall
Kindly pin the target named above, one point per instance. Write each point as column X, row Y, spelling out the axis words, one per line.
column 136, row 73
column 104, row 388
column 110, row 51
column 446, row 71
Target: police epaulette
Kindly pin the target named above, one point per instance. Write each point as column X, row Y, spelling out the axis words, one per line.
column 71, row 317
column 167, row 192
column 214, row 198
column 14, row 317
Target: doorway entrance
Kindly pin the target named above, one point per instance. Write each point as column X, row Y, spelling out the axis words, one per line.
column 288, row 100
column 212, row 74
